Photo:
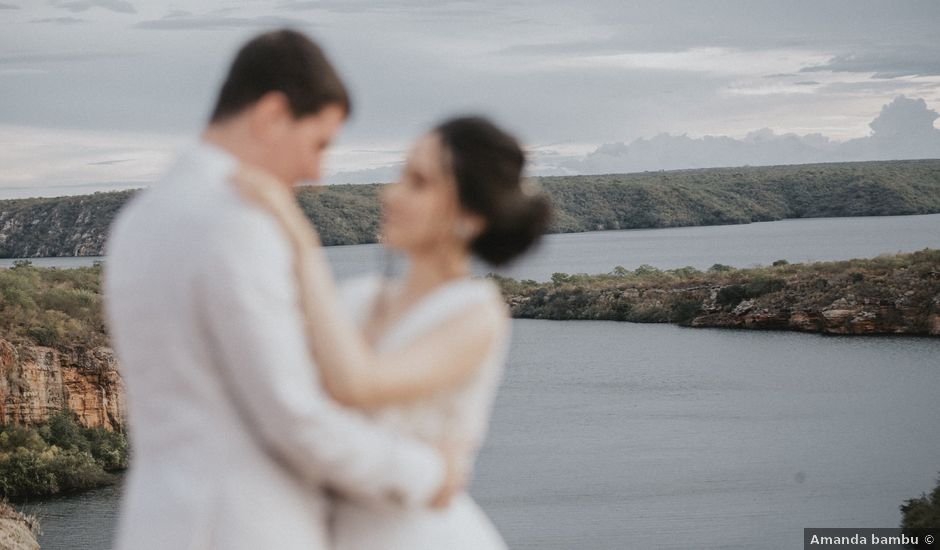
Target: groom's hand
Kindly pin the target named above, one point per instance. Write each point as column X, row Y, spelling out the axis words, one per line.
column 455, row 477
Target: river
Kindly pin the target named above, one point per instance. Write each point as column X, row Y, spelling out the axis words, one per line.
column 619, row 435
column 799, row 240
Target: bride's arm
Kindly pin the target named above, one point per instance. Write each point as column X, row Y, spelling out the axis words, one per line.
column 351, row 370
column 356, row 374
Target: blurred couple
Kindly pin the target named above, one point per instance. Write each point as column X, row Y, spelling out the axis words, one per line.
column 271, row 408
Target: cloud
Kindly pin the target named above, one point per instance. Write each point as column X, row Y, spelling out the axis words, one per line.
column 905, row 117
column 186, row 21
column 119, row 6
column 52, row 57
column 590, row 72
column 903, row 130
column 109, row 162
column 8, row 7
column 21, row 71
column 917, row 85
column 415, row 7
column 916, row 60
column 704, row 60
column 40, row 158
column 58, row 20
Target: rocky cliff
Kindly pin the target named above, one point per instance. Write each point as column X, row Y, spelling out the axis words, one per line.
column 17, row 531
column 847, row 315
column 885, row 295
column 36, row 382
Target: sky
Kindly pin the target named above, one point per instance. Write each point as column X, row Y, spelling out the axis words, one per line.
column 101, row 94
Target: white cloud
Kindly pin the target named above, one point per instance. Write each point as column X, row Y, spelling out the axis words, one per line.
column 569, row 74
column 33, row 158
column 119, row 6
column 728, row 61
column 903, row 130
column 183, row 21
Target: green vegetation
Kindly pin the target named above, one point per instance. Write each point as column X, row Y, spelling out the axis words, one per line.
column 901, row 293
column 349, row 214
column 344, row 214
column 887, row 294
column 61, row 226
column 58, row 457
column 51, row 307
column 922, row 512
column 718, row 196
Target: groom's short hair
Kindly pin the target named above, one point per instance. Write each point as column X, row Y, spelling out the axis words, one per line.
column 285, row 61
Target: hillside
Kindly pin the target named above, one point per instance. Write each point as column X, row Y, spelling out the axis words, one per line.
column 349, row 214
column 890, row 294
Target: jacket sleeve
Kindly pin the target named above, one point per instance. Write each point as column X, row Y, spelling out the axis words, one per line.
column 250, row 305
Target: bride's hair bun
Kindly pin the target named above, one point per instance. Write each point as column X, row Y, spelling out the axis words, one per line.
column 487, row 164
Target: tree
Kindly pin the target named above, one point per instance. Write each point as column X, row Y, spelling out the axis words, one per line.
column 922, row 512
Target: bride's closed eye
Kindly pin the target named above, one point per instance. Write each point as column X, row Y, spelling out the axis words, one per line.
column 418, row 182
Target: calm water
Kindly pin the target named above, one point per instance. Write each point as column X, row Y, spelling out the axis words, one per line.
column 737, row 245
column 82, row 521
column 618, row 435
column 801, row 240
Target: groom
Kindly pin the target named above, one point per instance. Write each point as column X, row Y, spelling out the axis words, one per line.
column 234, row 438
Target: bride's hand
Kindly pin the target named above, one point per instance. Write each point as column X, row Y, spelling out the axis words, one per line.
column 265, row 190
column 275, row 197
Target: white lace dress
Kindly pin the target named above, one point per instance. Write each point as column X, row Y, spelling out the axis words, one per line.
column 457, row 415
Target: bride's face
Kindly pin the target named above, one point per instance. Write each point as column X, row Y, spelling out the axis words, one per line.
column 420, row 211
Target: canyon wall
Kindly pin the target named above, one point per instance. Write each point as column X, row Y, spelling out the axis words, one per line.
column 36, row 382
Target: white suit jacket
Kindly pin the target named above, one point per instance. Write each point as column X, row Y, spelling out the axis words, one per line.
column 232, row 436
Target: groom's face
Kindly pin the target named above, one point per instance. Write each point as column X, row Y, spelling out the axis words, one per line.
column 298, row 146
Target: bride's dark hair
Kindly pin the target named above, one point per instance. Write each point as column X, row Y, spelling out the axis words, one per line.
column 487, row 165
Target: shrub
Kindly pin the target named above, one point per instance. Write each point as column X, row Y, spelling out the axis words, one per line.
column 730, row 295
column 684, row 310
column 646, row 270
column 59, row 456
column 758, row 286
column 923, row 512
column 52, row 307
column 25, row 473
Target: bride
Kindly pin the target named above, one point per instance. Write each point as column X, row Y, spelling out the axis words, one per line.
column 423, row 354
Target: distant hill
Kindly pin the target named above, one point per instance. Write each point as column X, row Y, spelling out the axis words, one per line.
column 349, row 214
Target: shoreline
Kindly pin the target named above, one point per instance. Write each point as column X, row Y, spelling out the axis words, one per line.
column 77, row 226
column 891, row 295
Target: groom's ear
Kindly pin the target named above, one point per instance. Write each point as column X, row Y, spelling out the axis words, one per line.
column 270, row 116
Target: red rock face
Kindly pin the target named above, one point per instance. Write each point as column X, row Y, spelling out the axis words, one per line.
column 36, row 382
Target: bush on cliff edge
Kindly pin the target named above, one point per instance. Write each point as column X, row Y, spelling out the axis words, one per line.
column 58, row 457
